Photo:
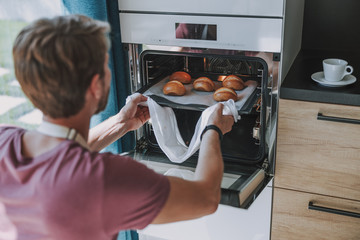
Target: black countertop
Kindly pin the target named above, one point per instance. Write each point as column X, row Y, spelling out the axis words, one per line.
column 298, row 84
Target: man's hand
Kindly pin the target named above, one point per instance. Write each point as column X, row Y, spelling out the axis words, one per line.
column 224, row 122
column 132, row 115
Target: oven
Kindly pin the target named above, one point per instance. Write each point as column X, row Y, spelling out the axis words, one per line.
column 255, row 40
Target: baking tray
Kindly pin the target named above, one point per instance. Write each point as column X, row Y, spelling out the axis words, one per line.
column 198, row 100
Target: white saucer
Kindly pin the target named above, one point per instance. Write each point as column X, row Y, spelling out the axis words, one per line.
column 320, row 78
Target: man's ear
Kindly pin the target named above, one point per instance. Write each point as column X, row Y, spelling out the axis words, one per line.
column 95, row 87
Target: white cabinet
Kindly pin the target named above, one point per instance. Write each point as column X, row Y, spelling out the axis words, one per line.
column 226, row 223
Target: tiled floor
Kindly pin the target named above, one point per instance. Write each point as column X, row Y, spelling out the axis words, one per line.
column 33, row 117
column 9, row 102
column 4, row 71
column 15, row 83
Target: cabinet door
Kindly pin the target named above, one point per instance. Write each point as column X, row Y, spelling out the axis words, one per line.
column 293, row 220
column 318, row 156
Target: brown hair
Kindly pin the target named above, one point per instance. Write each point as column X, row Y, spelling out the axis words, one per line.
column 55, row 60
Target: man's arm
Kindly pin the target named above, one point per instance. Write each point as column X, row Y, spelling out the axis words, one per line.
column 193, row 199
column 131, row 117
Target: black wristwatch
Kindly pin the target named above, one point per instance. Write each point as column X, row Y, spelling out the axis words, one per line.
column 212, row 127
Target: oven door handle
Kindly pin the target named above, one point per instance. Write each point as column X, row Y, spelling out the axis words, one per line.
column 320, row 116
column 333, row 210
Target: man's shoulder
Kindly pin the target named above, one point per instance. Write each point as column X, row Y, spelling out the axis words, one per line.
column 8, row 131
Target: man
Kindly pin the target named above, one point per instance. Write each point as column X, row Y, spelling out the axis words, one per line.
column 53, row 181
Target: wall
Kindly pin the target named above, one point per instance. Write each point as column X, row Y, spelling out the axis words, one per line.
column 331, row 24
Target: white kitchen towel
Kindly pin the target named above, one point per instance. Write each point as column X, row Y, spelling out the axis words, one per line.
column 167, row 132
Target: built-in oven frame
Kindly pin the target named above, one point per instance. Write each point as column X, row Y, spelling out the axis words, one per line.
column 246, row 171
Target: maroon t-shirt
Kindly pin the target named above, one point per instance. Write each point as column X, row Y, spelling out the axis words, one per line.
column 72, row 193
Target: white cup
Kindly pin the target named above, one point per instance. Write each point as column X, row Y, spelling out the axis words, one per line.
column 336, row 69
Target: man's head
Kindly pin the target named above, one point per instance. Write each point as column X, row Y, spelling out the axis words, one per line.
column 56, row 59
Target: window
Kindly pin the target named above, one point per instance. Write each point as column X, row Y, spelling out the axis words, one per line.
column 15, row 108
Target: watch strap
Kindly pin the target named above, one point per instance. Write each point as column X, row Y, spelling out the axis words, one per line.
column 212, row 127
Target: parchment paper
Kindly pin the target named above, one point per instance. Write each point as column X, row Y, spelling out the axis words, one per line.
column 198, row 97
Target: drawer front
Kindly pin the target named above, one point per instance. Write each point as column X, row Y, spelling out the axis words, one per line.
column 293, row 220
column 318, row 156
column 272, row 8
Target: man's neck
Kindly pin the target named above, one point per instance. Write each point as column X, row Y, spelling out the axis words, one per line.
column 79, row 122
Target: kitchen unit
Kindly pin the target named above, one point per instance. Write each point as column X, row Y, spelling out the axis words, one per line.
column 312, row 190
column 257, row 40
column 317, row 180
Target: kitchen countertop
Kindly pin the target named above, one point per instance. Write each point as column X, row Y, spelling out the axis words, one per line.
column 298, row 84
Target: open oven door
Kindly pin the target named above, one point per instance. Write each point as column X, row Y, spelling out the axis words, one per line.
column 238, row 188
column 228, row 222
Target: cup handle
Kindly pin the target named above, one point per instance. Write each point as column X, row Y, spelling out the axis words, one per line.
column 348, row 70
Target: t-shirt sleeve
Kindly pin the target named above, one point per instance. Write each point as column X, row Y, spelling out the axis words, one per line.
column 133, row 194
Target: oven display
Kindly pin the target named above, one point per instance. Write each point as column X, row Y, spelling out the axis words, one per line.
column 196, row 31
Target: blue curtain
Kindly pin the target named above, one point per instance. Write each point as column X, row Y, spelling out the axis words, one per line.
column 107, row 10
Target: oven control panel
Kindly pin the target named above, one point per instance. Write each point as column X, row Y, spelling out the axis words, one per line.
column 234, row 33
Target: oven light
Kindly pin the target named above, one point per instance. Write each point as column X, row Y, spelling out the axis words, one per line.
column 221, row 78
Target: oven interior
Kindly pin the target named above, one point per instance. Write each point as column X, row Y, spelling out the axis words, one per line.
column 244, row 148
column 245, row 144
